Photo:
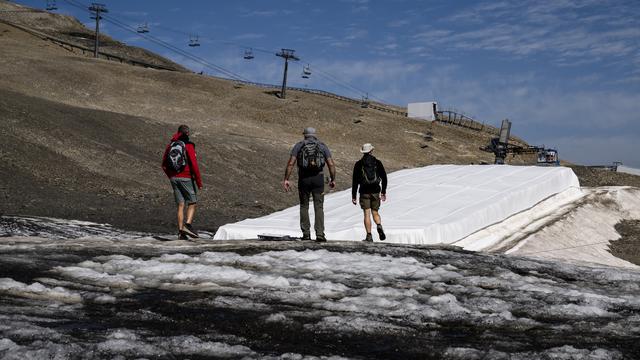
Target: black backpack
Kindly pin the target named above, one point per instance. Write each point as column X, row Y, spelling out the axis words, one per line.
column 370, row 170
column 310, row 156
column 177, row 156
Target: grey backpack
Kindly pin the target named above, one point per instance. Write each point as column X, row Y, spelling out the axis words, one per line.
column 177, row 156
column 310, row 156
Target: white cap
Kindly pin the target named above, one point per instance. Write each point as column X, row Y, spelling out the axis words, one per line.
column 366, row 148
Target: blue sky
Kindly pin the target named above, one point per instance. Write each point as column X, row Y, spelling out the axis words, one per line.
column 565, row 72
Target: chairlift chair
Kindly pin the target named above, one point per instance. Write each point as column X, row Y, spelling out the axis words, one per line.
column 193, row 41
column 143, row 28
column 248, row 54
column 51, row 5
column 306, row 71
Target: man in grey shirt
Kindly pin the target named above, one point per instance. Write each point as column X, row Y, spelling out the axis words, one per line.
column 311, row 155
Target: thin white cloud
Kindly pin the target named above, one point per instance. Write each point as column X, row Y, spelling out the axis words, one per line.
column 398, row 23
column 266, row 13
column 137, row 14
column 559, row 28
column 249, row 36
column 262, row 13
column 355, row 34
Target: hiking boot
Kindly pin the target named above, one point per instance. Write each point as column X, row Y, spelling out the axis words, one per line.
column 320, row 239
column 182, row 236
column 188, row 229
column 306, row 237
column 381, row 233
column 369, row 238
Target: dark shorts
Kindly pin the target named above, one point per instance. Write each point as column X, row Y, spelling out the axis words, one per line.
column 370, row 201
column 184, row 190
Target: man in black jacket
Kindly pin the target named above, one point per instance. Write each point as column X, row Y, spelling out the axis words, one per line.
column 368, row 173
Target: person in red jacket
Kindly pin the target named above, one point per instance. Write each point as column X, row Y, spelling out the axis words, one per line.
column 180, row 164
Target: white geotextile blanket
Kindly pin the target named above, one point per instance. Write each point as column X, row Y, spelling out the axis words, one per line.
column 428, row 205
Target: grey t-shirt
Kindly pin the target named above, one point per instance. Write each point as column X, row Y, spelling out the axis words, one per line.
column 296, row 149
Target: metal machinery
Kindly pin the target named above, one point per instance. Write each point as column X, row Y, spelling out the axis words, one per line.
column 548, row 157
column 500, row 147
column 248, row 54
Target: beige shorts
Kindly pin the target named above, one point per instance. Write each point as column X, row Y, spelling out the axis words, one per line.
column 370, row 201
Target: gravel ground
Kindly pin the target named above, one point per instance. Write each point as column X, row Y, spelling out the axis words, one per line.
column 595, row 177
column 628, row 246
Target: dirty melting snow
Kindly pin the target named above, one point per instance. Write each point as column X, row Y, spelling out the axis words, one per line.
column 303, row 301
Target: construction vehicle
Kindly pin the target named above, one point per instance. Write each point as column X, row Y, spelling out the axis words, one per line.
column 501, row 147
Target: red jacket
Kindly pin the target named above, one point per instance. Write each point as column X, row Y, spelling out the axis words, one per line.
column 191, row 170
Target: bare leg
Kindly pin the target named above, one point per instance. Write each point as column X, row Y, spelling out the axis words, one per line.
column 180, row 215
column 191, row 211
column 367, row 220
column 376, row 217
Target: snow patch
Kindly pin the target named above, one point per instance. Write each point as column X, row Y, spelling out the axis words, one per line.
column 38, row 291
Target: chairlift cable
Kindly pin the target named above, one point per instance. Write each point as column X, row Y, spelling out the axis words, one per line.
column 324, row 74
column 349, row 89
column 163, row 44
column 173, row 48
column 361, row 91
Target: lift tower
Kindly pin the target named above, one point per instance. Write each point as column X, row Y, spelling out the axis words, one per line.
column 286, row 54
column 97, row 9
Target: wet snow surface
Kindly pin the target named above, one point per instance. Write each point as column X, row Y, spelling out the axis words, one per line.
column 85, row 291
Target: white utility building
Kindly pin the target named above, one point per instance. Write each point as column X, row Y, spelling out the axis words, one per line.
column 428, row 205
column 422, row 110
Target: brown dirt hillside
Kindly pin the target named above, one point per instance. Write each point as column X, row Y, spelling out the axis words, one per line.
column 83, row 138
column 69, row 29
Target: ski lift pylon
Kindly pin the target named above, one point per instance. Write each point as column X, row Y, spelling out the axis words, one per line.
column 248, row 54
column 365, row 101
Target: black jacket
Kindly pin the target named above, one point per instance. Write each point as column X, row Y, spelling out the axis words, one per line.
column 368, row 188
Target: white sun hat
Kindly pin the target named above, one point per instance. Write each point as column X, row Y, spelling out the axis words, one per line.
column 366, row 148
